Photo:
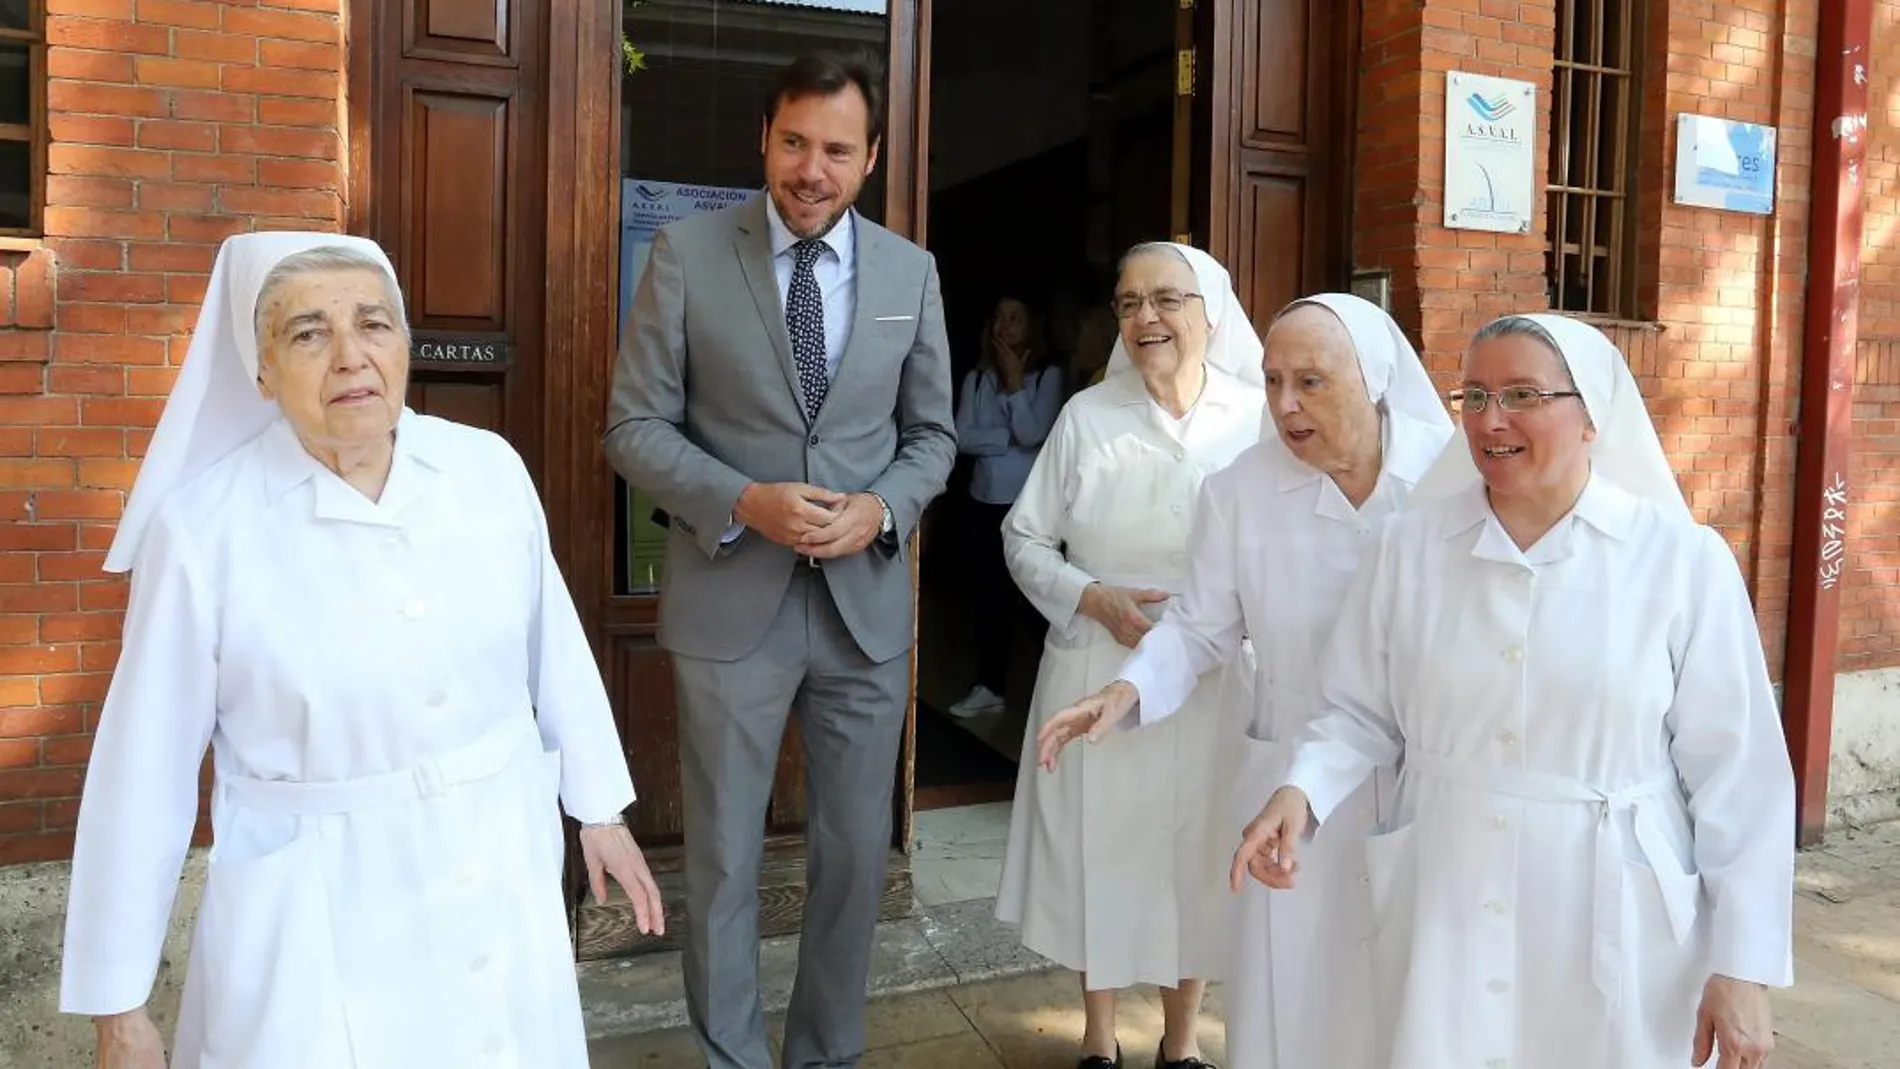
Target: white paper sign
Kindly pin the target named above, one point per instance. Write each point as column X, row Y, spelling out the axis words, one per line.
column 647, row 205
column 1725, row 164
column 1490, row 153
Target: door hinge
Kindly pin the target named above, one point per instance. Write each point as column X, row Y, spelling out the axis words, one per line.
column 1184, row 238
column 1184, row 73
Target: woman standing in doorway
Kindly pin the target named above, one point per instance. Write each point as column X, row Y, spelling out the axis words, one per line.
column 1008, row 403
column 1114, row 859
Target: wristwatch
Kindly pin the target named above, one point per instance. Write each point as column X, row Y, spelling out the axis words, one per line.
column 890, row 521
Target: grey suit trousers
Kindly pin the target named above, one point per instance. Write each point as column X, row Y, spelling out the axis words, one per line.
column 732, row 716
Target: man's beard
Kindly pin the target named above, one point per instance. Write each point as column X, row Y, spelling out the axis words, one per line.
column 823, row 228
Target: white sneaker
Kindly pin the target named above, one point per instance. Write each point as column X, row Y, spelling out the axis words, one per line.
column 980, row 700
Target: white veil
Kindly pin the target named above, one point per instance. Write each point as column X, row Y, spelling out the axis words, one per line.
column 1232, row 345
column 1626, row 451
column 1394, row 375
column 214, row 405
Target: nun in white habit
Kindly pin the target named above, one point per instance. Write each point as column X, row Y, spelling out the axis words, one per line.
column 356, row 608
column 1114, row 861
column 1590, row 862
column 1278, row 536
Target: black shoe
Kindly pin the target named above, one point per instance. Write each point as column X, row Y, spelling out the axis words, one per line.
column 1096, row 1061
column 1185, row 1063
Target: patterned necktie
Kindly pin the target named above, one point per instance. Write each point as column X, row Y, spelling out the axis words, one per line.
column 805, row 322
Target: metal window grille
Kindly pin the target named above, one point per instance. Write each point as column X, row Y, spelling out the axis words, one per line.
column 1591, row 222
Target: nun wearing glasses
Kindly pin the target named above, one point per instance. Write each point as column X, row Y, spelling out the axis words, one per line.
column 1114, row 860
column 1278, row 537
column 1590, row 860
column 355, row 608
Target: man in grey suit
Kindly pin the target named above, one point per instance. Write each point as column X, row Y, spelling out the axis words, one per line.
column 783, row 393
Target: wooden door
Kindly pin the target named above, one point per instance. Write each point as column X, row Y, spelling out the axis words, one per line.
column 447, row 173
column 1275, row 83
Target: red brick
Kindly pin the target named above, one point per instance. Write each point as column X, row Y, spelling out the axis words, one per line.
column 179, row 73
column 179, row 13
column 89, row 66
column 85, row 380
column 20, row 379
column 282, row 203
column 108, row 162
column 114, row 286
column 94, row 597
column 91, row 9
column 38, row 660
column 73, row 191
column 17, row 693
column 108, row 36
column 165, row 319
column 299, row 174
column 185, row 136
column 209, row 229
column 278, row 141
column 26, row 849
column 118, row 412
column 213, row 107
column 149, row 381
column 282, row 24
column 17, row 817
column 29, row 536
column 317, row 57
column 184, row 289
column 80, row 442
column 60, row 814
column 71, row 567
column 225, row 169
column 89, row 129
column 95, row 223
column 78, row 627
column 165, row 257
column 216, row 47
column 160, row 197
column 67, row 751
column 296, row 111
column 16, row 441
column 22, row 344
column 107, row 474
column 79, row 504
column 39, row 597
column 18, row 753
column 39, row 783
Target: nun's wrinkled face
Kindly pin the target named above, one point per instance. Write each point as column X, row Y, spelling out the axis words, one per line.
column 1316, row 391
column 1541, row 447
column 335, row 357
column 1162, row 313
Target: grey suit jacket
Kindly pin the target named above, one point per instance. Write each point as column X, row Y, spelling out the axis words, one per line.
column 706, row 400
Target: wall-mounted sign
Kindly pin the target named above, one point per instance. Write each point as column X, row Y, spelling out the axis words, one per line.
column 1490, row 153
column 646, row 205
column 461, row 350
column 1725, row 164
column 1375, row 285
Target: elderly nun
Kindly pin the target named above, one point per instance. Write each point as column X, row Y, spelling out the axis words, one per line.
column 1278, row 535
column 1590, row 860
column 356, row 608
column 1113, row 862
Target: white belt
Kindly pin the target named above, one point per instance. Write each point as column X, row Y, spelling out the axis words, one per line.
column 1679, row 890
column 487, row 756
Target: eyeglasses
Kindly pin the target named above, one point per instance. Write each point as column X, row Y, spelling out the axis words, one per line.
column 1128, row 305
column 1470, row 400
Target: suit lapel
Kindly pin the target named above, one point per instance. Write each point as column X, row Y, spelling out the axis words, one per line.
column 753, row 243
column 871, row 296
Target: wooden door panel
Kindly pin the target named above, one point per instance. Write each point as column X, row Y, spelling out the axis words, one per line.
column 472, row 403
column 468, row 31
column 457, row 164
column 1280, row 116
column 641, row 674
column 1274, row 216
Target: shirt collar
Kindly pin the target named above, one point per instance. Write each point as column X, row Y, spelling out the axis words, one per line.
column 1603, row 505
column 1407, row 449
column 839, row 239
column 421, row 452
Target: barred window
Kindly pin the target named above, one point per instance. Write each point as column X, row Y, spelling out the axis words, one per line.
column 1596, row 101
column 22, row 115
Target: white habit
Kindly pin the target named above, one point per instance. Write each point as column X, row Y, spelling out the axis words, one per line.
column 1114, row 863
column 1276, row 544
column 1596, row 806
column 393, row 692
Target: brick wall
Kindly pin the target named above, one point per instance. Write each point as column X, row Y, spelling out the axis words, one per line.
column 1720, row 293
column 174, row 124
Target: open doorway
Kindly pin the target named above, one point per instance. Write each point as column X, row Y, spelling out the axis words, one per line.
column 1052, row 149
